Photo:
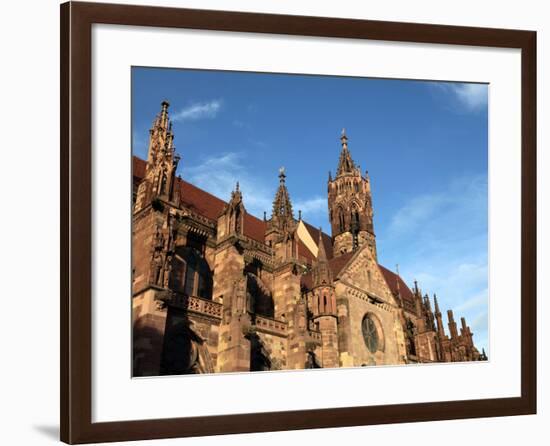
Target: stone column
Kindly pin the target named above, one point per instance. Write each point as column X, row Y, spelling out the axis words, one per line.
column 286, row 287
column 234, row 341
column 149, row 324
column 329, row 338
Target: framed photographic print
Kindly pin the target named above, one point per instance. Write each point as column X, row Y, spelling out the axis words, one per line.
column 282, row 222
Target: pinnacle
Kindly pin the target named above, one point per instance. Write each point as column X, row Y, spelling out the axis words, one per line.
column 345, row 163
column 321, row 254
column 282, row 207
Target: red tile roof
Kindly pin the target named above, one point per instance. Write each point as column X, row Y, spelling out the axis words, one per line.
column 204, row 203
column 211, row 207
column 199, row 200
column 303, row 251
column 336, row 264
column 138, row 167
column 254, row 228
column 392, row 279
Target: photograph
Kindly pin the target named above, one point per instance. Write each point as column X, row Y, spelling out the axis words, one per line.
column 288, row 221
column 277, row 223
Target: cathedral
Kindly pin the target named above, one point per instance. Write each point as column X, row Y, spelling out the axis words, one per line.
column 216, row 289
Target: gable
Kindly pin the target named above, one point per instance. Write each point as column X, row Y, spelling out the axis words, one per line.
column 363, row 273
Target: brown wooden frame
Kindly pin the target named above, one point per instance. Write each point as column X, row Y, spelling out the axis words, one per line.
column 76, row 221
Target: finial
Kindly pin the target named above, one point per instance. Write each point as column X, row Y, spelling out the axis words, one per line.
column 265, row 216
column 299, row 214
column 329, row 176
column 282, row 174
column 344, row 138
column 237, row 187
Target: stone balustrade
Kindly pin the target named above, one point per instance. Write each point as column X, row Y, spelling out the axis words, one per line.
column 194, row 304
column 273, row 326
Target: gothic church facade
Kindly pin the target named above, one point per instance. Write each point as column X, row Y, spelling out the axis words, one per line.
column 215, row 289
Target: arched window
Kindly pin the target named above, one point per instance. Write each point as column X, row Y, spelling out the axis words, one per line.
column 354, row 218
column 341, row 219
column 259, row 299
column 163, row 178
column 191, row 274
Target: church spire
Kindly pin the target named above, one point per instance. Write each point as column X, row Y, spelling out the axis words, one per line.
column 162, row 162
column 164, row 114
column 345, row 163
column 350, row 205
column 282, row 215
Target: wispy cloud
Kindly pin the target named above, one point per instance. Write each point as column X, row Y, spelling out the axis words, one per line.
column 229, row 168
column 463, row 196
column 312, row 206
column 446, row 240
column 198, row 110
column 469, row 96
column 416, row 212
column 477, row 300
column 258, row 190
column 139, row 143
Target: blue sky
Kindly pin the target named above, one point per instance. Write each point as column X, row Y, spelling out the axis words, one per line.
column 423, row 143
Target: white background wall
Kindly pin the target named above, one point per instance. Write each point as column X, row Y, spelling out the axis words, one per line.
column 29, row 234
